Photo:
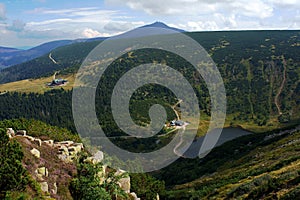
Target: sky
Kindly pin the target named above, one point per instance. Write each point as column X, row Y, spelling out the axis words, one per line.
column 27, row 23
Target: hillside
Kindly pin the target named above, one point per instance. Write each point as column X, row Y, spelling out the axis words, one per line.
column 66, row 56
column 264, row 166
column 11, row 56
column 260, row 70
column 259, row 166
column 46, row 162
column 38, row 85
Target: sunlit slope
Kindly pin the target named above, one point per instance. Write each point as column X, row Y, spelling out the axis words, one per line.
column 36, row 85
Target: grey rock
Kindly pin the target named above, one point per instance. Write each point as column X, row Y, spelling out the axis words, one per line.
column 44, row 186
column 21, row 133
column 35, row 152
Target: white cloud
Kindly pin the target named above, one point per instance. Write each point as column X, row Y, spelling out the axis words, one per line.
column 196, row 15
column 47, row 22
column 90, row 33
column 121, row 26
column 253, row 8
column 2, row 12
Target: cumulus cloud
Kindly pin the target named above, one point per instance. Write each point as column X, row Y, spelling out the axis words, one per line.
column 90, row 33
column 2, row 12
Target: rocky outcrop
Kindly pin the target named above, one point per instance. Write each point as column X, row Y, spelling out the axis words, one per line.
column 124, row 182
column 134, row 196
column 21, row 133
column 44, row 186
column 96, row 158
column 67, row 152
column 54, row 190
column 35, row 152
column 10, row 132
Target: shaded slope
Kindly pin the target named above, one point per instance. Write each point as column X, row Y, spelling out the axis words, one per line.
column 252, row 167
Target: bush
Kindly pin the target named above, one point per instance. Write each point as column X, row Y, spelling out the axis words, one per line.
column 12, row 174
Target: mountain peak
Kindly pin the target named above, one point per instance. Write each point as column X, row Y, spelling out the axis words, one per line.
column 159, row 24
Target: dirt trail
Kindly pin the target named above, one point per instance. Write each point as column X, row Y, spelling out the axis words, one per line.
column 276, row 101
column 176, row 112
column 52, row 59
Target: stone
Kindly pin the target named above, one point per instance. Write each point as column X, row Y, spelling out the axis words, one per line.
column 21, row 133
column 29, row 138
column 65, row 158
column 38, row 142
column 63, row 150
column 124, row 184
column 44, row 186
column 35, row 152
column 98, row 157
column 65, row 143
column 79, row 144
column 10, row 132
column 134, row 196
column 54, row 190
column 49, row 142
column 42, row 171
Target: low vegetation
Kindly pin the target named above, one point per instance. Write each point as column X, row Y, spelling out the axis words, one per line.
column 252, row 167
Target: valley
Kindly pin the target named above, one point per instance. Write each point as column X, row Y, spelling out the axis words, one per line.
column 256, row 157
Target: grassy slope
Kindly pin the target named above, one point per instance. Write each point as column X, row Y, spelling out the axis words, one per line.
column 269, row 170
column 36, row 85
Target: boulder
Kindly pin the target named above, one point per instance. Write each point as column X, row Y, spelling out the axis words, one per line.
column 79, row 144
column 49, row 142
column 65, row 143
column 134, row 196
column 21, row 133
column 29, row 138
column 42, row 171
column 10, row 132
column 124, row 184
column 54, row 190
column 44, row 186
column 98, row 157
column 35, row 152
column 63, row 150
column 38, row 141
column 65, row 158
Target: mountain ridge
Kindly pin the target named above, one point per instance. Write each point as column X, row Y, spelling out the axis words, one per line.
column 11, row 56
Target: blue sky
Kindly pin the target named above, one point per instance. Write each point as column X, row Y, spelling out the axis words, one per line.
column 25, row 23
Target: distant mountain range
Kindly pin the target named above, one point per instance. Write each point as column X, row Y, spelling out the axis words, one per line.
column 12, row 56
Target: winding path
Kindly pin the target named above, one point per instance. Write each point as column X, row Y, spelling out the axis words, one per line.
column 176, row 112
column 52, row 59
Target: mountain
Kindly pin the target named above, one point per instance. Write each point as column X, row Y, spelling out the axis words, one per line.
column 11, row 56
column 8, row 50
column 259, row 69
column 162, row 25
